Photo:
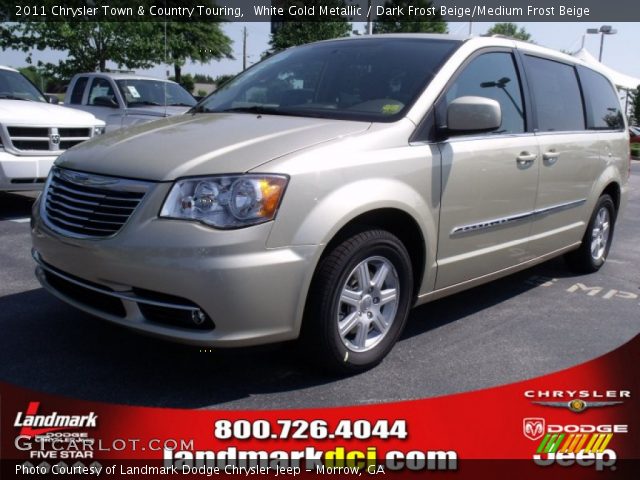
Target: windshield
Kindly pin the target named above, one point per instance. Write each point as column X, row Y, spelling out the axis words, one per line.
column 139, row 92
column 14, row 86
column 368, row 79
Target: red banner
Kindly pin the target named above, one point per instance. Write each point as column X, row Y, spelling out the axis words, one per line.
column 578, row 423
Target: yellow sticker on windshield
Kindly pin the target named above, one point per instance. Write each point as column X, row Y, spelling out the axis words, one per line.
column 391, row 108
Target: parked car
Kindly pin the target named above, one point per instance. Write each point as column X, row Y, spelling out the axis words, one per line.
column 634, row 134
column 328, row 189
column 33, row 132
column 122, row 100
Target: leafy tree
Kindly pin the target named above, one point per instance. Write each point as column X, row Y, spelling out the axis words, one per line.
column 400, row 24
column 222, row 79
column 636, row 105
column 187, row 82
column 196, row 41
column 510, row 30
column 89, row 44
column 202, row 78
column 291, row 33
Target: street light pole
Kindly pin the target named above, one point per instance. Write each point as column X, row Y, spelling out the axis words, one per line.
column 603, row 30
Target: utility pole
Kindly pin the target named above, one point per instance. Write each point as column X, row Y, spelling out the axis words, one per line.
column 244, row 49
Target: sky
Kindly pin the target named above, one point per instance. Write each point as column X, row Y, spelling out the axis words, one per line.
column 620, row 50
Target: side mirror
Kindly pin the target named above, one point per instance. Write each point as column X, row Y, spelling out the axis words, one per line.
column 52, row 99
column 473, row 115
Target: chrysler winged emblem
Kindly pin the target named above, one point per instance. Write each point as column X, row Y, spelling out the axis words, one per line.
column 533, row 428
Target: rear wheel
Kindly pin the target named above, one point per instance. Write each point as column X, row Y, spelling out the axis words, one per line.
column 597, row 239
column 358, row 302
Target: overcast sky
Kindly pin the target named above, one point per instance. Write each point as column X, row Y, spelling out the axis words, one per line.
column 620, row 50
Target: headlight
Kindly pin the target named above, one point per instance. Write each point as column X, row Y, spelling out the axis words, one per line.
column 98, row 130
column 226, row 201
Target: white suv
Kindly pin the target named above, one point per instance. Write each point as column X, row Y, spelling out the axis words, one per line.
column 33, row 132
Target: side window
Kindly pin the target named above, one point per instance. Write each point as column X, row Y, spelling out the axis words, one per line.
column 78, row 90
column 603, row 106
column 556, row 95
column 101, row 90
column 493, row 75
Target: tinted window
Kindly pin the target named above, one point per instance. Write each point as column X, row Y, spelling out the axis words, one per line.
column 78, row 90
column 493, row 75
column 372, row 79
column 556, row 95
column 603, row 106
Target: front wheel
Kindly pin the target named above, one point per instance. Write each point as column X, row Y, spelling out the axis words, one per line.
column 597, row 239
column 358, row 302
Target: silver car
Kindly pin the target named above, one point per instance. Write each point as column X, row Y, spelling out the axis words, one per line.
column 330, row 188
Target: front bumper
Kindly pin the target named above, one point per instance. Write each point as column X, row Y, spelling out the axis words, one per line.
column 252, row 294
column 24, row 173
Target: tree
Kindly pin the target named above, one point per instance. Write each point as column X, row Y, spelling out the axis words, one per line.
column 636, row 105
column 398, row 23
column 187, row 82
column 196, row 41
column 89, row 45
column 291, row 33
column 510, row 30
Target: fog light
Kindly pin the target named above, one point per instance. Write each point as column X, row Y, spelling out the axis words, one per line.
column 198, row 317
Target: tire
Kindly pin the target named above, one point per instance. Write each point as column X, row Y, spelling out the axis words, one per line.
column 597, row 239
column 346, row 327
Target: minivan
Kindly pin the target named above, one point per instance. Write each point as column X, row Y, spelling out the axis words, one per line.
column 327, row 190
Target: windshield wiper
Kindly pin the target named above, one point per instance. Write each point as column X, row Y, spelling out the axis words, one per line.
column 254, row 109
column 179, row 105
column 14, row 97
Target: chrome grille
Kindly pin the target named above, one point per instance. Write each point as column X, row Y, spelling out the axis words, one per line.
column 85, row 205
column 37, row 139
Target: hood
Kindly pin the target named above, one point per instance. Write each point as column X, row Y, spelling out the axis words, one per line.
column 201, row 144
column 41, row 114
column 159, row 111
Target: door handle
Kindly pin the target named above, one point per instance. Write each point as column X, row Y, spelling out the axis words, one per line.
column 550, row 156
column 526, row 158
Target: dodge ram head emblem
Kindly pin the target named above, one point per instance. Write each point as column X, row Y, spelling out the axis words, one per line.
column 533, row 428
column 55, row 138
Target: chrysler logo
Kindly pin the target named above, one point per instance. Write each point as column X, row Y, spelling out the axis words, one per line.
column 55, row 138
column 83, row 179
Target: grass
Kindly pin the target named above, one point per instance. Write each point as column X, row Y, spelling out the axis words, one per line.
column 635, row 150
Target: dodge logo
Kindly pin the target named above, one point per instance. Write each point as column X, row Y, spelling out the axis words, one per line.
column 55, row 138
column 533, row 428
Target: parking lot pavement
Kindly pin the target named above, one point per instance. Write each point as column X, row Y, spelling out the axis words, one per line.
column 535, row 322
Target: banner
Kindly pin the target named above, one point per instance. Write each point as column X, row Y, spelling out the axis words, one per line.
column 578, row 423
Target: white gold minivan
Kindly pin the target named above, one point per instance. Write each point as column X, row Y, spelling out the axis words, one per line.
column 328, row 189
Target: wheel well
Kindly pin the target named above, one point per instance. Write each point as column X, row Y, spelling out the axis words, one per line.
column 613, row 190
column 397, row 222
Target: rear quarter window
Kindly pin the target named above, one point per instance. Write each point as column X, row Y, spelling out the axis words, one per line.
column 601, row 101
column 557, row 100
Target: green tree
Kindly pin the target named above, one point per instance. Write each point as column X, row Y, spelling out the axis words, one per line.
column 399, row 23
column 187, row 81
column 89, row 45
column 636, row 105
column 510, row 30
column 195, row 41
column 291, row 33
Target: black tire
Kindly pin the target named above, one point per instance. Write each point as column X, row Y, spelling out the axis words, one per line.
column 583, row 260
column 372, row 251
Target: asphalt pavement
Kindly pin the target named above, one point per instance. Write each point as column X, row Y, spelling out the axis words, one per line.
column 535, row 322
